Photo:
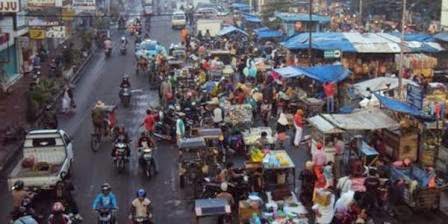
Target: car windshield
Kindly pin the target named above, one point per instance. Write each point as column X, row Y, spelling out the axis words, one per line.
column 179, row 17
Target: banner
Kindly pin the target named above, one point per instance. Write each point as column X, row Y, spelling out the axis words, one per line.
column 55, row 32
column 37, row 34
column 88, row 5
column 42, row 21
column 41, row 3
column 9, row 6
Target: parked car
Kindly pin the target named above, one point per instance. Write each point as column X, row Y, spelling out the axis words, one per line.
column 47, row 157
column 178, row 20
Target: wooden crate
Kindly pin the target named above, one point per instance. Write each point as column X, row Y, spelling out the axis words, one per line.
column 399, row 147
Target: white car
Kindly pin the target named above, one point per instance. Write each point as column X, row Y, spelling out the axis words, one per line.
column 209, row 12
column 178, row 20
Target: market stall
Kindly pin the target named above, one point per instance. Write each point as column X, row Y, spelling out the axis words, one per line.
column 322, row 131
column 211, row 208
column 237, row 114
column 251, row 136
column 277, row 166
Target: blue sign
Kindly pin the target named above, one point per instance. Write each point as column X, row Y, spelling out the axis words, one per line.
column 415, row 96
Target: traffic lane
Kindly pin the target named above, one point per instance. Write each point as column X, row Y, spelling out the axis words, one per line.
column 161, row 31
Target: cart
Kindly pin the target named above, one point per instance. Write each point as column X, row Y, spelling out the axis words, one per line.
column 211, row 207
column 368, row 154
column 190, row 164
column 286, row 165
column 422, row 197
column 321, row 132
column 311, row 105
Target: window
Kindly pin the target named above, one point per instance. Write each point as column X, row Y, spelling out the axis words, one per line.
column 44, row 142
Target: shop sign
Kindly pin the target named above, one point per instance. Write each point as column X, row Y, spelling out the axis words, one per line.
column 39, row 22
column 332, row 54
column 88, row 5
column 37, row 34
column 68, row 14
column 41, row 3
column 415, row 96
column 21, row 20
column 9, row 6
column 55, row 32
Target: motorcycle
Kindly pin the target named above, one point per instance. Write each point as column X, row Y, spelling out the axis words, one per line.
column 142, row 219
column 166, row 129
column 147, row 161
column 120, row 156
column 123, row 49
column 108, row 52
column 105, row 216
column 125, row 96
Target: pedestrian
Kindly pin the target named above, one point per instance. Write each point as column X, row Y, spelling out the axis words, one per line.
column 66, row 102
column 328, row 174
column 180, row 126
column 324, row 206
column 266, row 109
column 282, row 128
column 63, row 191
column 149, row 122
column 339, row 146
column 307, row 180
column 329, row 91
column 298, row 124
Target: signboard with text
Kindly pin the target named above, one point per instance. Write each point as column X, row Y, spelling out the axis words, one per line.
column 332, row 54
column 37, row 34
column 415, row 96
column 89, row 5
column 55, row 32
column 42, row 21
column 9, row 6
column 41, row 3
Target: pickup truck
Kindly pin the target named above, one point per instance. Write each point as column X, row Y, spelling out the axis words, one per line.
column 47, row 156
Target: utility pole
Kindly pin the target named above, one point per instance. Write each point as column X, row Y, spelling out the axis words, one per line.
column 310, row 38
column 360, row 9
column 400, row 71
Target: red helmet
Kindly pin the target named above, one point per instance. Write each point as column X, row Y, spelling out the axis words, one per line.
column 58, row 207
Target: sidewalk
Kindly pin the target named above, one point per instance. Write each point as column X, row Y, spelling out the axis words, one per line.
column 13, row 106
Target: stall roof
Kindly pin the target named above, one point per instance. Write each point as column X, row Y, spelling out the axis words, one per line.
column 324, row 126
column 378, row 84
column 289, row 72
column 443, row 36
column 398, row 106
column 252, row 18
column 364, row 42
column 267, row 33
column 303, row 17
column 321, row 73
column 371, row 119
column 230, row 29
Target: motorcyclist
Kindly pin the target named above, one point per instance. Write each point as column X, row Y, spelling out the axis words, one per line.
column 125, row 82
column 98, row 116
column 146, row 141
column 124, row 41
column 19, row 194
column 106, row 200
column 58, row 215
column 141, row 207
column 122, row 136
column 108, row 44
column 145, row 138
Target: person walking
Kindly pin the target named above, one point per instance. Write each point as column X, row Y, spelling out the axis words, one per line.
column 298, row 124
column 329, row 90
column 307, row 180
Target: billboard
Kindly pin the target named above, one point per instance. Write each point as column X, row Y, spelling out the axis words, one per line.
column 84, row 5
column 9, row 6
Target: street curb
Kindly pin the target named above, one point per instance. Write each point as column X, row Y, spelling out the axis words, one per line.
column 14, row 154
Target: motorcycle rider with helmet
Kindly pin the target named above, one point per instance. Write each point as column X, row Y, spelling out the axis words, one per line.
column 106, row 200
column 19, row 193
column 121, row 136
column 58, row 215
column 151, row 144
column 125, row 83
column 141, row 208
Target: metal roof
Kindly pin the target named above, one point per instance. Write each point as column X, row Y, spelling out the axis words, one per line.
column 371, row 119
column 324, row 126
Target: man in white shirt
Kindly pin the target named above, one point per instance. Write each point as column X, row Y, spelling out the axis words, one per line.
column 217, row 115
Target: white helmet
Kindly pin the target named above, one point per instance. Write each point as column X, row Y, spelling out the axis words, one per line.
column 123, row 38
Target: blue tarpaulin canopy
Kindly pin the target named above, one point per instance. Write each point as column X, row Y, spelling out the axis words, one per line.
column 241, row 6
column 302, row 17
column 252, row 18
column 327, row 73
column 398, row 106
column 443, row 36
column 231, row 29
column 266, row 33
column 321, row 73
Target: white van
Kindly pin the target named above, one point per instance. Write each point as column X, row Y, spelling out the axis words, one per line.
column 178, row 20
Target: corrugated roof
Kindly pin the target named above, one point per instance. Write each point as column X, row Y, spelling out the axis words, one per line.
column 323, row 125
column 293, row 17
column 371, row 119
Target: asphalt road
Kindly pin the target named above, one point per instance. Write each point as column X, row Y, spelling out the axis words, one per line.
column 101, row 82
